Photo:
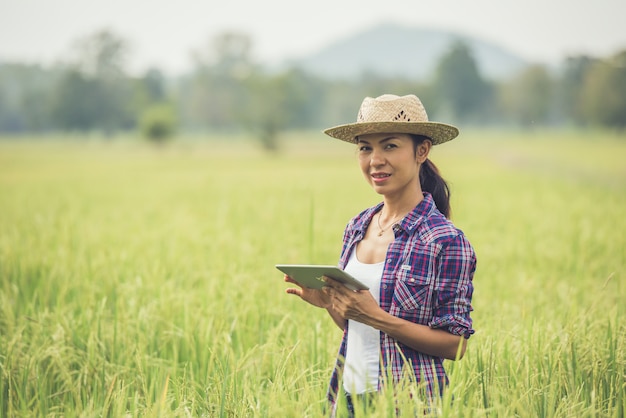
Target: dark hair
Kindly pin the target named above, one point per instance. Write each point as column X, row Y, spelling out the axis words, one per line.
column 432, row 182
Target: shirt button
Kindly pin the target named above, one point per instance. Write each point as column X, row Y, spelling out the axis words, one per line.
column 412, row 280
column 389, row 260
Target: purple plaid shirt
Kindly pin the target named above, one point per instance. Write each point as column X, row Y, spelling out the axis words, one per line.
column 427, row 279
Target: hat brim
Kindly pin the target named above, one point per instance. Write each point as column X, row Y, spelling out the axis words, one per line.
column 437, row 132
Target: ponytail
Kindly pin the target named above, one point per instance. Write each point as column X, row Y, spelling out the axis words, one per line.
column 432, row 182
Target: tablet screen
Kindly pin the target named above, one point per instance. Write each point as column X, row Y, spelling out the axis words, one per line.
column 310, row 275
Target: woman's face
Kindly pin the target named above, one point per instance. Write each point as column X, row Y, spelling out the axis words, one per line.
column 391, row 163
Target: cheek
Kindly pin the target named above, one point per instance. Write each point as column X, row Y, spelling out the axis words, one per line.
column 364, row 164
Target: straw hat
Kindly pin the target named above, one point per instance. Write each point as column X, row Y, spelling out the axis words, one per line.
column 393, row 114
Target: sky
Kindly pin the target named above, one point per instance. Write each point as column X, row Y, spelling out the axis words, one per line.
column 163, row 34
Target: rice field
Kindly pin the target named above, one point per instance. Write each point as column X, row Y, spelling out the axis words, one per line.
column 139, row 282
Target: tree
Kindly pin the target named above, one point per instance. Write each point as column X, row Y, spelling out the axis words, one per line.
column 101, row 55
column 264, row 113
column 94, row 92
column 527, row 98
column 231, row 55
column 149, row 91
column 603, row 90
column 216, row 92
column 74, row 106
column 571, row 85
column 461, row 88
column 158, row 122
column 25, row 92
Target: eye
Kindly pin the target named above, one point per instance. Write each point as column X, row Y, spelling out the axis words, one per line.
column 364, row 148
column 390, row 146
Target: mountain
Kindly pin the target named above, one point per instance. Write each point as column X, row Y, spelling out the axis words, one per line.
column 394, row 50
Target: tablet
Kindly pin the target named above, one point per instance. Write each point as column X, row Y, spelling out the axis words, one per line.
column 310, row 275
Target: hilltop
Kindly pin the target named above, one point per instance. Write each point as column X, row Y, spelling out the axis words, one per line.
column 395, row 50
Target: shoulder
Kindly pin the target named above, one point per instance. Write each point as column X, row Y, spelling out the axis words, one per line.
column 437, row 228
column 440, row 231
column 429, row 225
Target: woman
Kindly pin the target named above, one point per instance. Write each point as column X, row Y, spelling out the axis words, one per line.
column 418, row 266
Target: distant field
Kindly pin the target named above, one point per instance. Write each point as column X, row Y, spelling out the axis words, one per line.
column 139, row 281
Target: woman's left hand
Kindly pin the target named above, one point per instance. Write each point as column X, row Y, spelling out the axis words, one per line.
column 357, row 305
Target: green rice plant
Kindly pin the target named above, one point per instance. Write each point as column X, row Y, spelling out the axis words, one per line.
column 140, row 282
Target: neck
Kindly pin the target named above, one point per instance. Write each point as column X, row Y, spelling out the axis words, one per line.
column 397, row 207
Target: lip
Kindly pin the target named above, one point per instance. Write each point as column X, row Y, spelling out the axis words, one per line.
column 380, row 177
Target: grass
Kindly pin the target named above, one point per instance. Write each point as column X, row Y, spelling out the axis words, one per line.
column 137, row 281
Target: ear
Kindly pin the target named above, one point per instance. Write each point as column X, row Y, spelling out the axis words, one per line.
column 422, row 151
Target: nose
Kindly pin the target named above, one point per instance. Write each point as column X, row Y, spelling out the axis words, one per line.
column 376, row 158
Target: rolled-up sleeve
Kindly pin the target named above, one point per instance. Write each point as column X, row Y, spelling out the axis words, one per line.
column 455, row 271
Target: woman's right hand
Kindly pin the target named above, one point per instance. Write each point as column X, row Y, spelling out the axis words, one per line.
column 316, row 297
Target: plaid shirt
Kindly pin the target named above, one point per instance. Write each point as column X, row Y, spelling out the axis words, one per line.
column 427, row 279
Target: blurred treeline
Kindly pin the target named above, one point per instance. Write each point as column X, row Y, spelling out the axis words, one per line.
column 226, row 90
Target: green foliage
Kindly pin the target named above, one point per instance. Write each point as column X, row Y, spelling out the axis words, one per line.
column 140, row 283
column 25, row 97
column 149, row 89
column 158, row 122
column 604, row 92
column 264, row 113
column 528, row 98
column 460, row 84
column 75, row 107
column 94, row 92
column 571, row 97
column 227, row 91
column 101, row 55
column 85, row 103
column 215, row 93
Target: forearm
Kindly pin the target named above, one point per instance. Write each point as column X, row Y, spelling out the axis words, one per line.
column 422, row 338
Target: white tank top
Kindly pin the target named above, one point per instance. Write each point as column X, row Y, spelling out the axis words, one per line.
column 363, row 347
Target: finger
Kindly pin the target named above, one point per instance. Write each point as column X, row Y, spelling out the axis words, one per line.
column 339, row 288
column 292, row 291
column 288, row 279
column 331, row 282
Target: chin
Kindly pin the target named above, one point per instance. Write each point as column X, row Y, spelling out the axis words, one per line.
column 379, row 189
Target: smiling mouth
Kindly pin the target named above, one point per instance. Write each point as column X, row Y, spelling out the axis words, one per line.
column 380, row 175
column 380, row 178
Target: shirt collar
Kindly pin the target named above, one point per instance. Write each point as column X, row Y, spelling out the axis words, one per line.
column 423, row 210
